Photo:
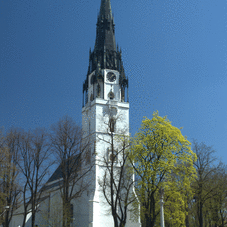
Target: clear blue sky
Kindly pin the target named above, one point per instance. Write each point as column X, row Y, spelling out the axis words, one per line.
column 174, row 54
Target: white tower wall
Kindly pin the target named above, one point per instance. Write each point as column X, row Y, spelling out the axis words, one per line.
column 95, row 119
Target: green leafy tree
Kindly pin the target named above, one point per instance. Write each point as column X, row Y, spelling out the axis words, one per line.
column 178, row 192
column 162, row 157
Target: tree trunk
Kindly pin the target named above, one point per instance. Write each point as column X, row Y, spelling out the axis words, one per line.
column 66, row 213
column 150, row 217
column 222, row 219
column 200, row 214
column 24, row 219
column 115, row 220
column 6, row 222
column 122, row 224
column 147, row 216
column 33, row 219
column 153, row 210
column 187, row 218
column 25, row 215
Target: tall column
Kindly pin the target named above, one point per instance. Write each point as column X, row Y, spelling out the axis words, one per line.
column 162, row 222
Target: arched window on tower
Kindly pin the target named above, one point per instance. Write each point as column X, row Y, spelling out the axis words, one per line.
column 122, row 94
column 98, row 91
column 88, row 155
column 91, row 97
column 86, row 97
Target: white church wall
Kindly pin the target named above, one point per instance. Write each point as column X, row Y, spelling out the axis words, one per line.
column 18, row 217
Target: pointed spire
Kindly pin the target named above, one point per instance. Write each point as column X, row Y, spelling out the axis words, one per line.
column 105, row 10
column 105, row 37
column 105, row 51
column 106, row 54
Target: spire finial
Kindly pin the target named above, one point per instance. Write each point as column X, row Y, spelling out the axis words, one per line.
column 105, row 10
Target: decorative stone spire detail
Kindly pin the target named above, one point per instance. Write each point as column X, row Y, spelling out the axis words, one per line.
column 105, row 54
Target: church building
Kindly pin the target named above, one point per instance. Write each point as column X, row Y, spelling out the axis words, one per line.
column 105, row 115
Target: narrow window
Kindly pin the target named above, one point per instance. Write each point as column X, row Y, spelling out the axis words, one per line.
column 88, row 156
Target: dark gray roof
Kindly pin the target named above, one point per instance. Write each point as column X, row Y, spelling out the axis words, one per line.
column 71, row 164
column 56, row 175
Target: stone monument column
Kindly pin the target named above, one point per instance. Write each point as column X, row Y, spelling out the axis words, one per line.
column 162, row 222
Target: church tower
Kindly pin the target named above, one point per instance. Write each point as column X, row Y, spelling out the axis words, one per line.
column 105, row 109
column 105, row 70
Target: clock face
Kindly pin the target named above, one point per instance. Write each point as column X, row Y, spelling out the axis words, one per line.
column 111, row 77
